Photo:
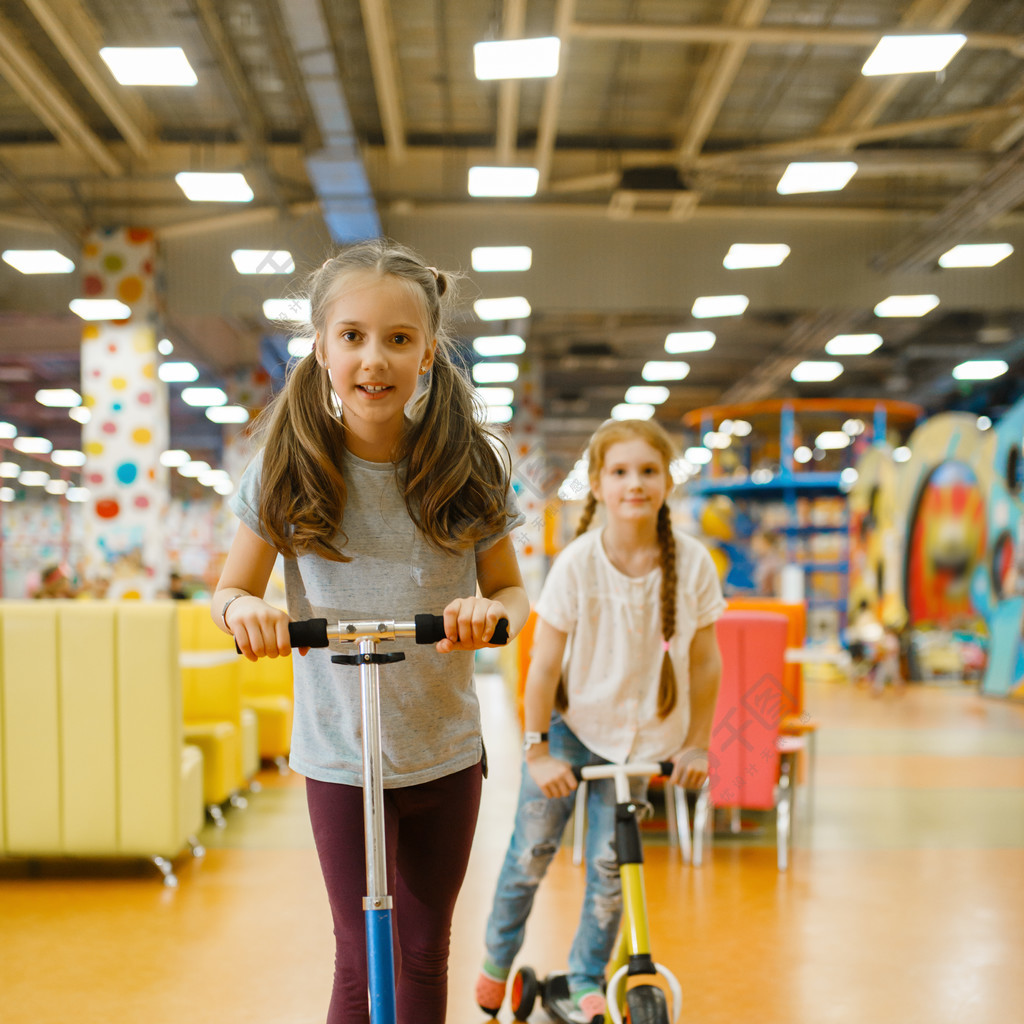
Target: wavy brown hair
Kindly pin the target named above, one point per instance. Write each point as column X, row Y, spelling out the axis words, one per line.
column 609, row 433
column 457, row 472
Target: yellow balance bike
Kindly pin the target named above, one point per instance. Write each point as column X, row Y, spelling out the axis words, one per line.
column 634, row 994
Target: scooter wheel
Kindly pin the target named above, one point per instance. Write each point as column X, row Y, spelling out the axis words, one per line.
column 646, row 1004
column 525, row 989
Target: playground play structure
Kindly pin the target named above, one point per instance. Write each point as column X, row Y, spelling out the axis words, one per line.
column 918, row 521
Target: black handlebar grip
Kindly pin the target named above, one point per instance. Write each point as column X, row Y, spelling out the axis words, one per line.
column 667, row 767
column 308, row 633
column 430, row 629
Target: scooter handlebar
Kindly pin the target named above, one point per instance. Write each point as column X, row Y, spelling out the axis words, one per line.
column 427, row 629
column 652, row 769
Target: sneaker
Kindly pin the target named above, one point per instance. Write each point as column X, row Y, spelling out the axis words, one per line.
column 490, row 992
column 589, row 1008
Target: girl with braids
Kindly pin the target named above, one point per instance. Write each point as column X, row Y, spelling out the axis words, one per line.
column 625, row 633
column 385, row 498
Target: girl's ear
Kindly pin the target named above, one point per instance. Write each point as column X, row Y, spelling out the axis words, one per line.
column 318, row 350
column 428, row 357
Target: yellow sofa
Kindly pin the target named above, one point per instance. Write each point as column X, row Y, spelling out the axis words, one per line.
column 93, row 761
column 215, row 719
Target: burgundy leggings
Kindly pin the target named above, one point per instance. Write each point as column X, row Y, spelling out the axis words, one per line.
column 428, row 836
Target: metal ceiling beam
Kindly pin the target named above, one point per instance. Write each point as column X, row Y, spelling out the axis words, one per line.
column 807, row 336
column 766, row 35
column 1001, row 189
column 857, row 136
column 28, row 77
column 715, row 78
column 547, row 123
column 78, row 39
column 252, row 125
column 865, row 101
column 513, row 26
column 50, row 217
column 380, row 43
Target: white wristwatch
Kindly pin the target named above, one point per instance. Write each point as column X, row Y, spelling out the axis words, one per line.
column 531, row 739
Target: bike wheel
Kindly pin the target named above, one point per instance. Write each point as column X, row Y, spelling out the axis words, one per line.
column 646, row 1004
column 524, row 993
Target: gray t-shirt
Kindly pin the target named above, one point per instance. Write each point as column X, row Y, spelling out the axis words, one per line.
column 430, row 718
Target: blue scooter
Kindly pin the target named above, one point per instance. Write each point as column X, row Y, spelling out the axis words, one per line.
column 425, row 629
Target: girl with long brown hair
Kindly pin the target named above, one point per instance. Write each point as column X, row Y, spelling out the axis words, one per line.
column 386, row 498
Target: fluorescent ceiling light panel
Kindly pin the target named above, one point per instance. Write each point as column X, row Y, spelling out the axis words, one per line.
column 38, row 261
column 698, row 456
column 647, row 394
column 175, row 457
column 503, row 181
column 655, row 369
column 211, row 187
column 513, row 307
column 516, row 58
column 263, row 261
column 100, row 309
column 906, row 305
column 149, row 65
column 34, row 478
column 741, row 428
column 80, row 414
column 745, row 256
column 7, row 430
column 67, row 457
column 980, row 255
column 33, row 445
column 829, row 440
column 499, row 345
column 902, row 55
column 10, row 470
column 299, row 348
column 972, row 369
column 57, row 487
column 816, row 370
column 228, row 414
column 204, row 397
column 165, row 346
column 815, row 176
column 194, row 468
column 58, row 398
column 499, row 413
column 77, row 494
column 689, row 341
column 495, row 373
column 495, row 396
column 853, row 344
column 177, row 373
column 501, row 257
column 631, row 411
column 296, row 311
column 719, row 305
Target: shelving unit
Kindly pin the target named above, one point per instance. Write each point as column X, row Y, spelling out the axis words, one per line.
column 807, row 508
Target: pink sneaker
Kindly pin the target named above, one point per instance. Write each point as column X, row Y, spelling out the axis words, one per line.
column 490, row 993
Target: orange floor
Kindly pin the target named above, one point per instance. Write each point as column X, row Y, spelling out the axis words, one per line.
column 904, row 901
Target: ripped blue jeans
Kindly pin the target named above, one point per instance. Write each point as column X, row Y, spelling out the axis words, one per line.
column 540, row 822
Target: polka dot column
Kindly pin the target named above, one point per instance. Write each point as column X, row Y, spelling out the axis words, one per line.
column 536, row 486
column 129, row 426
